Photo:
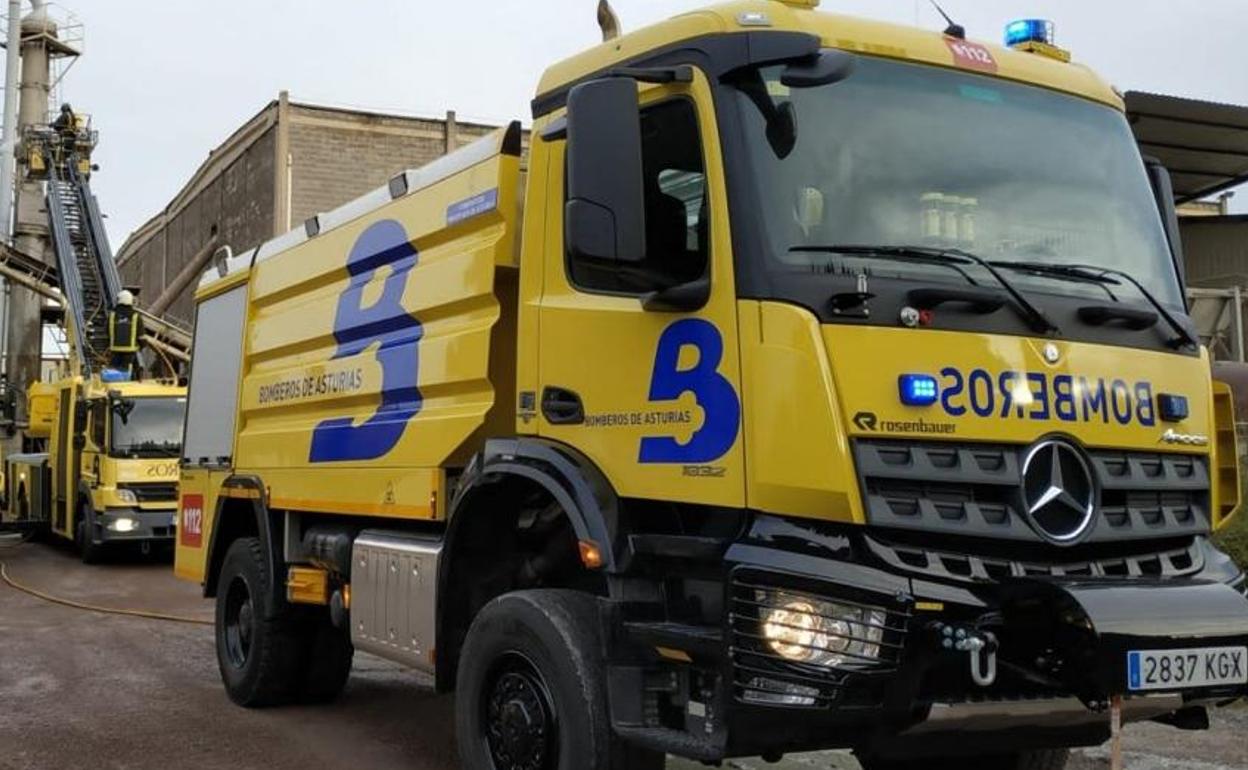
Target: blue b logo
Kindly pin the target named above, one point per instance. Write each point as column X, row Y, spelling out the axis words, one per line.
column 397, row 335
column 713, row 392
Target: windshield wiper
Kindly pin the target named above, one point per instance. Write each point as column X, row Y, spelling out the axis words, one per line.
column 1184, row 338
column 1035, row 317
column 1063, row 272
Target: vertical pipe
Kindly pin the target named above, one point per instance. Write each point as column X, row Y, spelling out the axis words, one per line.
column 8, row 141
column 8, row 146
column 282, row 197
column 24, row 333
column 1238, row 318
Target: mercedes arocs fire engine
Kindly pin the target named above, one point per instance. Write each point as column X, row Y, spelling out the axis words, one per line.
column 814, row 383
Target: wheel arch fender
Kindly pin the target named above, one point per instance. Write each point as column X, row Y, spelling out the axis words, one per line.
column 84, row 505
column 242, row 511
column 572, row 480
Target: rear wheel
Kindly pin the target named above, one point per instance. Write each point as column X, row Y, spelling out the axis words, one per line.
column 329, row 662
column 1048, row 759
column 261, row 650
column 531, row 689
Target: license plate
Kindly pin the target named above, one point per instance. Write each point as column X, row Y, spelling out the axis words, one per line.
column 1183, row 669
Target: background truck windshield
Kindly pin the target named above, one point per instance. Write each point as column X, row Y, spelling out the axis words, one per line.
column 904, row 154
column 147, row 427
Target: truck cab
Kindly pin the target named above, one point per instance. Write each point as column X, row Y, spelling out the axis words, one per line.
column 110, row 471
column 816, row 383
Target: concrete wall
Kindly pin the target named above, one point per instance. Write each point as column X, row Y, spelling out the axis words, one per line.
column 338, row 155
column 231, row 197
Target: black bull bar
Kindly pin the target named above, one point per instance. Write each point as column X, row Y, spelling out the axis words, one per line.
column 1077, row 633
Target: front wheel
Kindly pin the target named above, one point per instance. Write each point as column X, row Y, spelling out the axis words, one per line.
column 88, row 550
column 1048, row 759
column 530, row 692
column 261, row 651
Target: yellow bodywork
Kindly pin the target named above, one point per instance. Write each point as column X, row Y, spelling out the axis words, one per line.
column 500, row 321
column 307, row 365
column 41, row 398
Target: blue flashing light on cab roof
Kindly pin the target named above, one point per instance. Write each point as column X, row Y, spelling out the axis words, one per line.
column 917, row 389
column 1029, row 31
column 108, row 374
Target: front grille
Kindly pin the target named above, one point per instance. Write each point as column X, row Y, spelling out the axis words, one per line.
column 949, row 564
column 762, row 676
column 975, row 490
column 153, row 493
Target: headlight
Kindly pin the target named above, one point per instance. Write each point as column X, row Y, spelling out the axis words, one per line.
column 123, row 524
column 806, row 630
column 127, row 496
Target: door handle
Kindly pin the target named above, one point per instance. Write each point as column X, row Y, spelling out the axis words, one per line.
column 561, row 406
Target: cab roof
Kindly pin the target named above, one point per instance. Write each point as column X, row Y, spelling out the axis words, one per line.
column 834, row 31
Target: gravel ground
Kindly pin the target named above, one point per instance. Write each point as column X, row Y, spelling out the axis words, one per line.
column 80, row 689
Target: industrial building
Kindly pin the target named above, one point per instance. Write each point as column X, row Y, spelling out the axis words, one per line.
column 290, row 162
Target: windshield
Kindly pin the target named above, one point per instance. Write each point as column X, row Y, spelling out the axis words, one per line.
column 904, row 154
column 147, row 427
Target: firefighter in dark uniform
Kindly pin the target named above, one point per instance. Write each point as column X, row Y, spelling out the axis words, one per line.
column 124, row 330
column 66, row 128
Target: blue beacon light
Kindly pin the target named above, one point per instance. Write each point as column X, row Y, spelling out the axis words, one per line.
column 1029, row 31
column 917, row 389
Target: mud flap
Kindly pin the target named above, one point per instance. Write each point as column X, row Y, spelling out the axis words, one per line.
column 1079, row 632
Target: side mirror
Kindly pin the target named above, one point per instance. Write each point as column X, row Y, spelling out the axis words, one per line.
column 605, row 217
column 80, row 419
column 828, row 67
column 1163, row 195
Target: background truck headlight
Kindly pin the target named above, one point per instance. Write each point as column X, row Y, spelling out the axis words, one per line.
column 806, row 630
column 127, row 496
column 123, row 524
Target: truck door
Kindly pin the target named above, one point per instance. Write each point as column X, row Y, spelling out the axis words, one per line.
column 96, row 448
column 62, row 455
column 652, row 397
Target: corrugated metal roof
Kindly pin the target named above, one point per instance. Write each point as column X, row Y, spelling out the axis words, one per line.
column 1203, row 144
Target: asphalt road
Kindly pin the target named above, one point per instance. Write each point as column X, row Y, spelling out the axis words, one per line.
column 81, row 689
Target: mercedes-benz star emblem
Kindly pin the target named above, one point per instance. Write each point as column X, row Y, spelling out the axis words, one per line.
column 1058, row 493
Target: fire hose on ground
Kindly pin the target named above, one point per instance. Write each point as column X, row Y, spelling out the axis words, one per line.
column 53, row 599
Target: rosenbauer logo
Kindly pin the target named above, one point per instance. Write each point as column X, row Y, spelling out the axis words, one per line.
column 191, row 521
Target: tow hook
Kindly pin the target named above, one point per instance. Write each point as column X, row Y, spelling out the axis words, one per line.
column 980, row 647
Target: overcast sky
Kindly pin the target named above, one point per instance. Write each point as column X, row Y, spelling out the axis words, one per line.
column 168, row 80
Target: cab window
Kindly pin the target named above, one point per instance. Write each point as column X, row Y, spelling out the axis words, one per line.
column 677, row 232
column 99, row 418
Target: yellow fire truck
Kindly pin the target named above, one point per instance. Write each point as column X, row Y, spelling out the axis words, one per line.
column 108, row 445
column 815, row 383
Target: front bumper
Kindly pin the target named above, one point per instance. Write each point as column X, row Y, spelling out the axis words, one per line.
column 128, row 525
column 1062, row 654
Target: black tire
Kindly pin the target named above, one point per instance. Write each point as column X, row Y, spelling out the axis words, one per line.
column 1048, row 759
column 261, row 648
column 531, row 687
column 89, row 551
column 330, row 653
